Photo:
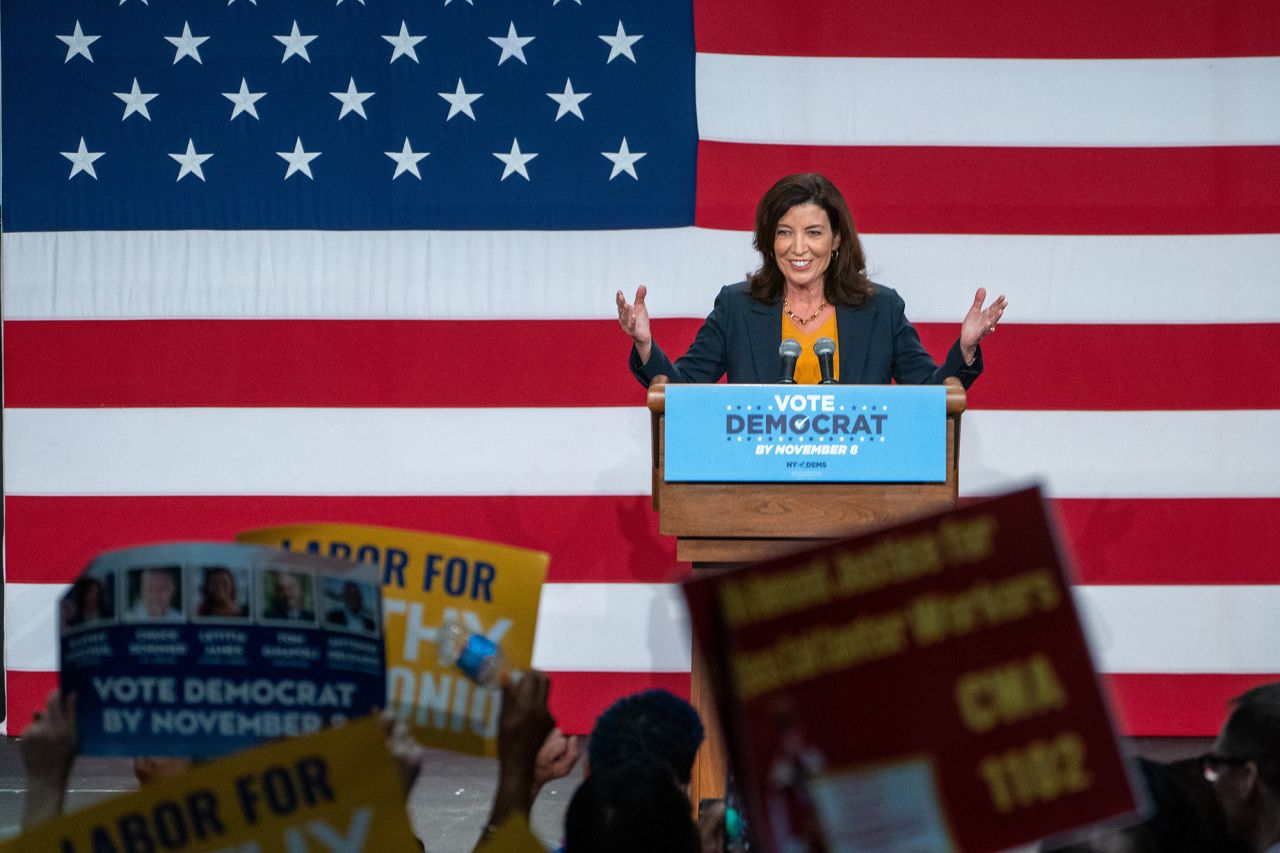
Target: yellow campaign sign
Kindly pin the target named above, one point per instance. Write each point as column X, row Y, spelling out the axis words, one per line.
column 336, row 791
column 427, row 579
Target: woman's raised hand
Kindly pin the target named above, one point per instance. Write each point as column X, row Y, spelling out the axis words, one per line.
column 634, row 320
column 979, row 322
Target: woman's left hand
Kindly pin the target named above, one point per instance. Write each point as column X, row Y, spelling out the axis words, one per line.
column 979, row 322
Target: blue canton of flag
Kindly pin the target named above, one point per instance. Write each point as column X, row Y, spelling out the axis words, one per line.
column 408, row 114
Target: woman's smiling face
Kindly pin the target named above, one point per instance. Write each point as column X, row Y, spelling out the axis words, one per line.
column 802, row 246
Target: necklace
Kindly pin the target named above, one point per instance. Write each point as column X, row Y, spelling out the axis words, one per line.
column 798, row 320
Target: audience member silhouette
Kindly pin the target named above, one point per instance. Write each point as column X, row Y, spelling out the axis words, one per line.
column 1244, row 769
column 635, row 806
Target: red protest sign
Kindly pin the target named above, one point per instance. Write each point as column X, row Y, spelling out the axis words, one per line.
column 925, row 687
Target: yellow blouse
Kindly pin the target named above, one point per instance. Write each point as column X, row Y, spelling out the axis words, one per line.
column 807, row 370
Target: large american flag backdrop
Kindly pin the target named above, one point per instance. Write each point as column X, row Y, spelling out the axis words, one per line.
column 280, row 261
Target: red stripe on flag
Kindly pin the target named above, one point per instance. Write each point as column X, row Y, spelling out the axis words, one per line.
column 983, row 190
column 1171, row 541
column 25, row 693
column 615, row 539
column 342, row 363
column 105, row 363
column 1160, row 705
column 1128, row 367
column 577, row 698
column 1181, row 705
column 1062, row 29
column 52, row 539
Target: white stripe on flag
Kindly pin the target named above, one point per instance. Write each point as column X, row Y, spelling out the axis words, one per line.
column 1087, row 279
column 31, row 627
column 232, row 451
column 643, row 628
column 989, row 102
column 1152, row 454
column 585, row 627
column 362, row 274
column 585, row 451
column 612, row 627
column 1183, row 629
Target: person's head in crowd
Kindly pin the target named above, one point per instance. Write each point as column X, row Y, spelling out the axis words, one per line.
column 654, row 723
column 637, row 806
column 1244, row 768
column 219, row 595
column 156, row 591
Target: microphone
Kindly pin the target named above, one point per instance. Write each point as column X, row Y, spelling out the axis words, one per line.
column 825, row 350
column 789, row 351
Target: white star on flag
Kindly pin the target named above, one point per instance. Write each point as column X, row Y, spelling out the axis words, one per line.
column 515, row 161
column 190, row 161
column 135, row 101
column 460, row 101
column 82, row 160
column 244, row 100
column 404, row 43
column 78, row 44
column 298, row 160
column 569, row 101
column 511, row 44
column 620, row 44
column 406, row 160
column 624, row 160
column 352, row 101
column 295, row 44
column 186, row 44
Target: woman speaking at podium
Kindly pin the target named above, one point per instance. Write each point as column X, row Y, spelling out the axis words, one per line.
column 811, row 285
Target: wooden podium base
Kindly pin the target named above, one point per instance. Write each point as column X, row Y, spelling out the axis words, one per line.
column 710, row 767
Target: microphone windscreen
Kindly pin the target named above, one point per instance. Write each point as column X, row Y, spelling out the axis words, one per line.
column 790, row 348
column 824, row 346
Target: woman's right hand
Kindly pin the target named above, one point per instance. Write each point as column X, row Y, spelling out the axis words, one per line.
column 634, row 320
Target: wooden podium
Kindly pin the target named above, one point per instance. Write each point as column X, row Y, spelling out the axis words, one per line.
column 721, row 525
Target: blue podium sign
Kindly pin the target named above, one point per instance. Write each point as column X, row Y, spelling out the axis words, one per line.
column 784, row 433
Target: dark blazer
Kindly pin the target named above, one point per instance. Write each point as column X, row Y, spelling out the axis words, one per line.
column 278, row 611
column 741, row 336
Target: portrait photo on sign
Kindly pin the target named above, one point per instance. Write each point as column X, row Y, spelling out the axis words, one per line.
column 351, row 605
column 89, row 603
column 154, row 594
column 221, row 592
column 287, row 596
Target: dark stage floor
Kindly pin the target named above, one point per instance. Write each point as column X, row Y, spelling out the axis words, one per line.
column 448, row 807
